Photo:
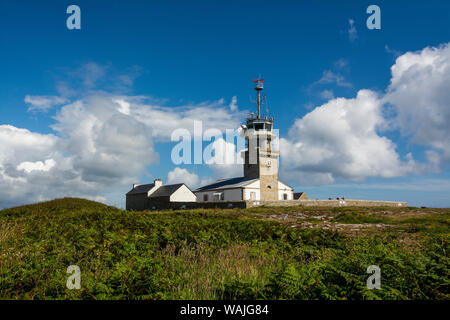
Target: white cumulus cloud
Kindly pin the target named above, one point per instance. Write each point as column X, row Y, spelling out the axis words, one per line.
column 420, row 93
column 192, row 180
column 38, row 165
column 102, row 143
column 352, row 32
column 340, row 139
column 43, row 103
column 225, row 159
column 233, row 104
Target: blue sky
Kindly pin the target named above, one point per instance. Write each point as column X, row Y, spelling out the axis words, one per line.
column 190, row 58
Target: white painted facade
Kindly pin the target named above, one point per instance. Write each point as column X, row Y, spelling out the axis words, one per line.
column 183, row 194
column 248, row 192
column 252, row 194
column 285, row 192
column 251, row 191
column 219, row 195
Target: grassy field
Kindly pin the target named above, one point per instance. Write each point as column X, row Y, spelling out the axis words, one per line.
column 257, row 253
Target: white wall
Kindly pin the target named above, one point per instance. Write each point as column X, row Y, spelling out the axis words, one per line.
column 229, row 195
column 290, row 194
column 200, row 195
column 255, row 184
column 284, row 189
column 183, row 194
column 236, row 193
column 247, row 193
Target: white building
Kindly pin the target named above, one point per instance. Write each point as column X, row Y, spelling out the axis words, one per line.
column 237, row 189
column 259, row 183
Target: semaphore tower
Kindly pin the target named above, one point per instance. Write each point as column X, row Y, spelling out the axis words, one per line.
column 260, row 160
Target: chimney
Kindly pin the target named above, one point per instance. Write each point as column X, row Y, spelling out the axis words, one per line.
column 157, row 182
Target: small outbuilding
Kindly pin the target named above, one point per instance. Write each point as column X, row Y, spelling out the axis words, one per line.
column 300, row 196
column 157, row 196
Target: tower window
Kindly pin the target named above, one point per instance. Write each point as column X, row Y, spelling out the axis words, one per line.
column 269, row 187
column 259, row 126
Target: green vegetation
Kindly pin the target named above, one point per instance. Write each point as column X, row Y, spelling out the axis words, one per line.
column 257, row 253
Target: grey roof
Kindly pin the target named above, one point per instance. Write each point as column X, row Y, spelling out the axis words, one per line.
column 143, row 188
column 166, row 191
column 297, row 195
column 163, row 191
column 228, row 183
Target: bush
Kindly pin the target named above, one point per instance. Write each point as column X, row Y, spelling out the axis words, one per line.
column 209, row 254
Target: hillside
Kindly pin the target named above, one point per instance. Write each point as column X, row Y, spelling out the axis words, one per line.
column 269, row 253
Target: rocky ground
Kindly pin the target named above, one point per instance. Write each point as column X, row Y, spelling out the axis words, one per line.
column 350, row 220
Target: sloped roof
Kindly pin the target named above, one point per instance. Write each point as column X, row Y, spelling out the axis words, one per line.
column 228, row 183
column 286, row 184
column 298, row 195
column 143, row 188
column 166, row 191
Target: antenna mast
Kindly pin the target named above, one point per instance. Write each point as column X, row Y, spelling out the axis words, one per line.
column 259, row 86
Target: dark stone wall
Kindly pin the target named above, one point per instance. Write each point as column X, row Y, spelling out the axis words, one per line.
column 166, row 204
column 136, row 201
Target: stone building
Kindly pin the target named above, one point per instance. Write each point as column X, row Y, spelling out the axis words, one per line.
column 300, row 196
column 157, row 196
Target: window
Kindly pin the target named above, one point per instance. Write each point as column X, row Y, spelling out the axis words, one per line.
column 269, row 187
column 285, row 196
column 252, row 195
column 205, row 197
column 218, row 196
column 259, row 126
